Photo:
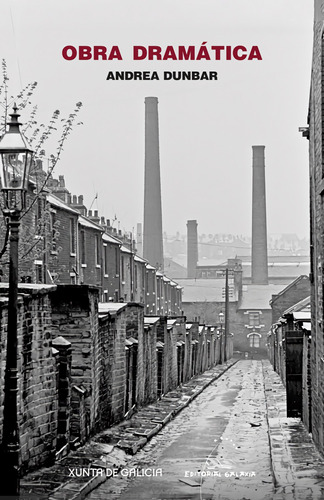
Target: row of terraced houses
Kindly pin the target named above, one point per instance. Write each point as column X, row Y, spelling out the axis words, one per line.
column 73, row 245
column 101, row 331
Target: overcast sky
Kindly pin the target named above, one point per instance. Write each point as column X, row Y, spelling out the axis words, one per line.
column 207, row 128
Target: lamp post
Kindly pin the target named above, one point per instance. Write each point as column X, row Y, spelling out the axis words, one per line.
column 221, row 321
column 16, row 159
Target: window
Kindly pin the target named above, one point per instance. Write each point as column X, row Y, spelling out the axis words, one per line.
column 83, row 248
column 254, row 339
column 39, row 271
column 72, row 236
column 105, row 260
column 38, row 216
column 254, row 318
column 122, row 269
column 135, row 276
column 116, row 263
column 53, row 231
column 97, row 250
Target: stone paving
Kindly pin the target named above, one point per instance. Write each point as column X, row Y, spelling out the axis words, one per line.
column 296, row 469
column 68, row 479
column 224, row 432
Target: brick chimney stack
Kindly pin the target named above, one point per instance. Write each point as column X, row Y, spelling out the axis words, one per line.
column 259, row 219
column 192, row 248
column 152, row 234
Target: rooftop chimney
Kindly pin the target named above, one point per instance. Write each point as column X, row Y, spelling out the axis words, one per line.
column 152, row 234
column 192, row 248
column 259, row 219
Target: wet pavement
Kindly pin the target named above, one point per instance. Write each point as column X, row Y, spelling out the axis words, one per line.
column 75, row 475
column 217, row 448
column 225, row 445
column 230, row 441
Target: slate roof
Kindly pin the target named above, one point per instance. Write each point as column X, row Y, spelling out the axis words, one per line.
column 110, row 307
column 111, row 239
column 302, row 305
column 204, row 290
column 294, row 282
column 258, row 296
column 151, row 320
column 57, row 202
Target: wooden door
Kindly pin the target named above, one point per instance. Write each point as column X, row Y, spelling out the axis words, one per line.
column 294, row 372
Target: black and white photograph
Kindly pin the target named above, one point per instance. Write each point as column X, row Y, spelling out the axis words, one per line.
column 161, row 250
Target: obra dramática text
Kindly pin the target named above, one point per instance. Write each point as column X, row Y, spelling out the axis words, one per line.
column 157, row 53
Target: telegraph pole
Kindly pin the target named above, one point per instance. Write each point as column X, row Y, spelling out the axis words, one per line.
column 226, row 314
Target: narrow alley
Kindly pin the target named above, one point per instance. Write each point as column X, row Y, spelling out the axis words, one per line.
column 225, row 446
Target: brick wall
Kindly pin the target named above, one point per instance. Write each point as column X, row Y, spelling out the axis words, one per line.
column 75, row 317
column 91, row 268
column 151, row 305
column 37, row 382
column 169, row 365
column 113, row 367
column 241, row 341
column 295, row 292
column 316, row 163
column 61, row 243
column 73, row 370
column 150, row 364
column 110, row 271
column 135, row 331
column 306, row 387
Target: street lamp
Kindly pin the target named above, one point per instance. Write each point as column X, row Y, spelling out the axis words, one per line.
column 221, row 318
column 16, row 160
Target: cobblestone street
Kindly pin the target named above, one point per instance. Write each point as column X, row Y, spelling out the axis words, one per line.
column 219, row 448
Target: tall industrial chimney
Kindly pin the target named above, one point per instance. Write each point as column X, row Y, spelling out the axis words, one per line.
column 192, row 248
column 152, row 234
column 259, row 219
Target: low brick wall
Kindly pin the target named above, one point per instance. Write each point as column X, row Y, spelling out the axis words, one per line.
column 150, row 365
column 81, row 370
column 306, row 388
column 75, row 317
column 37, row 382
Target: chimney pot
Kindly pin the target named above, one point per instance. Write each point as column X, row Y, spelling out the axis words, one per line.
column 80, row 200
column 90, row 213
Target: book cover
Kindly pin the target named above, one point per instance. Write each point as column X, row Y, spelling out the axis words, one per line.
column 225, row 76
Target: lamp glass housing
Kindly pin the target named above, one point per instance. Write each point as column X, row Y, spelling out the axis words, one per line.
column 15, row 168
column 16, row 160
